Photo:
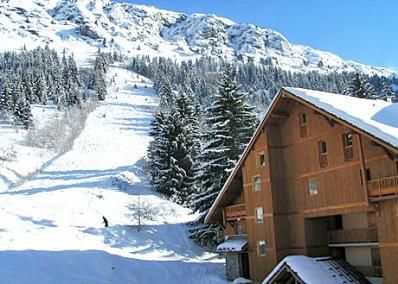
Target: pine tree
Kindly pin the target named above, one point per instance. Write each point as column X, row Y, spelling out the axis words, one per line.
column 359, row 87
column 230, row 123
column 386, row 92
column 23, row 113
column 6, row 101
column 100, row 85
column 173, row 152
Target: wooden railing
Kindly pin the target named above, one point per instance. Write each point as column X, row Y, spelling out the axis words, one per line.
column 348, row 153
column 365, row 235
column 323, row 160
column 235, row 211
column 383, row 187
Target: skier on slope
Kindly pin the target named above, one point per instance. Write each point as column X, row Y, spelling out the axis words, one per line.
column 105, row 221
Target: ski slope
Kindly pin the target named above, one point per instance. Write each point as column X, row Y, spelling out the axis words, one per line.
column 51, row 227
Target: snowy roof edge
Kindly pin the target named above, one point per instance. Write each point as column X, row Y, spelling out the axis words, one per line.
column 296, row 93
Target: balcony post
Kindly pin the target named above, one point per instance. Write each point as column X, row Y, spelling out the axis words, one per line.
column 363, row 166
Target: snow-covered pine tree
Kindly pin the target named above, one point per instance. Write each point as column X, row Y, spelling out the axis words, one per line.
column 23, row 113
column 387, row 93
column 230, row 124
column 100, row 85
column 359, row 87
column 175, row 145
column 6, row 101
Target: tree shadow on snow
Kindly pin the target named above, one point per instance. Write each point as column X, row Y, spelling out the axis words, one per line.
column 167, row 240
column 41, row 222
column 100, row 267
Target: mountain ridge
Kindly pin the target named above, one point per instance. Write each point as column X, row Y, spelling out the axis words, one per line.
column 78, row 25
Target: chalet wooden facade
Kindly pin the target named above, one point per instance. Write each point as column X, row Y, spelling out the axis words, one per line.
column 315, row 181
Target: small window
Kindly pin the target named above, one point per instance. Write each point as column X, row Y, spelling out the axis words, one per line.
column 368, row 175
column 256, row 183
column 312, row 187
column 302, row 118
column 303, row 125
column 347, row 139
column 261, row 249
column 322, row 147
column 348, row 146
column 323, row 154
column 238, row 230
column 261, row 160
column 259, row 215
column 396, row 166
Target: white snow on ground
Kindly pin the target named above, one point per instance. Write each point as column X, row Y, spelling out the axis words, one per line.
column 51, row 227
column 14, row 152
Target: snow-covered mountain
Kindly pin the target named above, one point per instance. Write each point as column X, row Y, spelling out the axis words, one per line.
column 137, row 29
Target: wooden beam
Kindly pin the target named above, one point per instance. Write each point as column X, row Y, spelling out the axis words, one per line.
column 331, row 121
column 341, row 121
column 363, row 168
column 280, row 114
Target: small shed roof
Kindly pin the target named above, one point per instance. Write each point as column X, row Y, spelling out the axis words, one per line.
column 310, row 270
column 233, row 244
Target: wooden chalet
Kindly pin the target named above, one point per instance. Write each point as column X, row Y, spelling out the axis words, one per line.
column 319, row 178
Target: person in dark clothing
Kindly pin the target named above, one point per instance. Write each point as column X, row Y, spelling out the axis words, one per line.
column 105, row 221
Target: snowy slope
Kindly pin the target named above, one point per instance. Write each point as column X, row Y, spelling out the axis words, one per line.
column 81, row 27
column 51, row 227
column 14, row 151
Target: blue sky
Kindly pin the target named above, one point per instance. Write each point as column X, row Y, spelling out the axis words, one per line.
column 361, row 30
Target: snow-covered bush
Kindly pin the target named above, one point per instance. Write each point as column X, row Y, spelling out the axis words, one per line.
column 142, row 211
column 58, row 134
column 7, row 153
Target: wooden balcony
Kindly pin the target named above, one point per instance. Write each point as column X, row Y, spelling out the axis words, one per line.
column 382, row 188
column 234, row 212
column 355, row 236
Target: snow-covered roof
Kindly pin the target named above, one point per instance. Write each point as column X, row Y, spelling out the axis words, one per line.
column 375, row 117
column 233, row 244
column 317, row 270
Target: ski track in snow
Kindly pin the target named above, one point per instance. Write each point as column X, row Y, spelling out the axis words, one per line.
column 51, row 227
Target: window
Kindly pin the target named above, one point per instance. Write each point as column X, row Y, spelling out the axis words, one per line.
column 256, row 183
column 238, row 228
column 303, row 125
column 259, row 215
column 348, row 145
column 368, row 175
column 323, row 154
column 260, row 160
column 261, row 249
column 312, row 187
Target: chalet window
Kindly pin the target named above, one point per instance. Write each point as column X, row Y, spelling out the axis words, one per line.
column 259, row 215
column 368, row 175
column 256, row 183
column 323, row 154
column 238, row 230
column 303, row 125
column 261, row 249
column 348, row 144
column 312, row 187
column 260, row 160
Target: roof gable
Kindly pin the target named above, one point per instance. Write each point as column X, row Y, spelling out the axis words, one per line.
column 316, row 270
column 376, row 119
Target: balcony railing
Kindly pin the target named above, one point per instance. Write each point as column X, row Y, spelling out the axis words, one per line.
column 363, row 235
column 235, row 211
column 383, row 187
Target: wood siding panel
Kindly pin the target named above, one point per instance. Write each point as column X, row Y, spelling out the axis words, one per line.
column 387, row 227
